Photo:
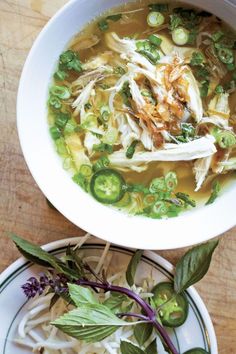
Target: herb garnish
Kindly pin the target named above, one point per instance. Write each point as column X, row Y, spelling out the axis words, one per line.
column 103, row 24
column 215, row 190
column 92, row 320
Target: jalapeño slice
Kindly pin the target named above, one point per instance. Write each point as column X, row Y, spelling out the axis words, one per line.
column 107, row 186
column 175, row 311
column 196, row 351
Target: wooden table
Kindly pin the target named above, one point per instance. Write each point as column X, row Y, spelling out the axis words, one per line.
column 23, row 209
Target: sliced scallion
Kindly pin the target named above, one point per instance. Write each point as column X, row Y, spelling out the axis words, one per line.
column 180, row 36
column 219, row 89
column 226, row 139
column 86, row 170
column 55, row 133
column 226, row 55
column 157, row 185
column 160, row 208
column 171, row 181
column 155, row 40
column 54, row 102
column 155, row 19
column 131, row 149
column 62, row 119
column 61, row 92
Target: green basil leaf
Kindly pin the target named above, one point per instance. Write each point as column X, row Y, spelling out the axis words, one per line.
column 115, row 301
column 81, row 296
column 132, row 267
column 130, row 348
column 91, row 323
column 142, row 332
column 152, row 348
column 193, row 265
column 37, row 255
column 34, row 253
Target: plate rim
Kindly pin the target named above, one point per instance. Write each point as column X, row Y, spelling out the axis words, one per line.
column 154, row 257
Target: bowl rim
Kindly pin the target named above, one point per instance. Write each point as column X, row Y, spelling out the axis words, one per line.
column 112, row 225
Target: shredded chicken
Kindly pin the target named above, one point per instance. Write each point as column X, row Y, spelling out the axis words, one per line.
column 83, row 98
column 193, row 150
column 201, row 169
column 76, row 149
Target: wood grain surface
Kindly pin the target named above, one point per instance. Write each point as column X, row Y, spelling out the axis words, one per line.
column 23, row 209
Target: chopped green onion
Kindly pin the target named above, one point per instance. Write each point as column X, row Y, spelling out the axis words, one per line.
column 86, row 170
column 226, row 55
column 62, row 119
column 114, row 18
column 155, row 19
column 171, row 181
column 188, row 130
column 180, row 36
column 192, row 37
column 60, row 75
column 219, row 89
column 61, row 92
column 160, row 208
column 61, row 147
column 157, row 185
column 103, row 25
column 155, row 40
column 226, row 139
column 137, row 188
column 103, row 162
column 217, row 36
column 159, row 7
column 70, row 127
column 197, row 59
column 204, row 88
column 149, row 199
column 153, row 57
column 126, row 94
column 55, row 133
column 131, row 149
column 230, row 67
column 215, row 190
column 185, row 197
column 54, row 102
column 105, row 113
column 81, row 180
column 103, row 148
column 202, row 72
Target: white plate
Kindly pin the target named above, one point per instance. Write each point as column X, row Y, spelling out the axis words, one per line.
column 197, row 331
column 45, row 165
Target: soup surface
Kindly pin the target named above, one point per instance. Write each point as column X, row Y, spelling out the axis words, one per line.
column 142, row 108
